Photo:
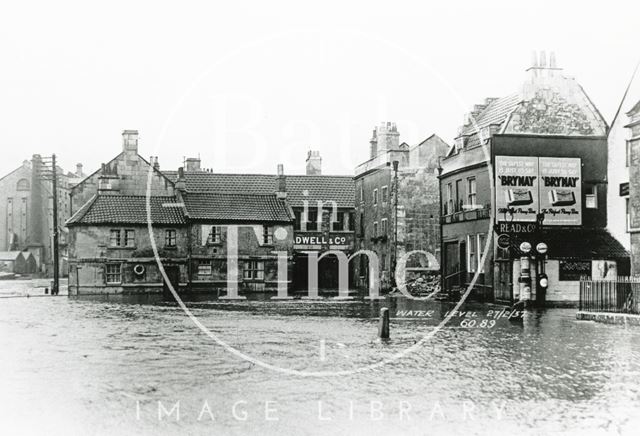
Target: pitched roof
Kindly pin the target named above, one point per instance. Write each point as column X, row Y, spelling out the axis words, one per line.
column 12, row 255
column 237, row 207
column 83, row 179
column 128, row 209
column 494, row 114
column 340, row 189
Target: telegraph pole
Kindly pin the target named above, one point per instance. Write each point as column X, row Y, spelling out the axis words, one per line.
column 56, row 249
column 53, row 174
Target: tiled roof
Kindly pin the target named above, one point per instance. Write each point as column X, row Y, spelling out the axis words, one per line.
column 340, row 189
column 128, row 209
column 495, row 113
column 581, row 243
column 236, row 207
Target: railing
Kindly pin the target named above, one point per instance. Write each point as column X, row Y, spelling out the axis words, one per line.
column 620, row 295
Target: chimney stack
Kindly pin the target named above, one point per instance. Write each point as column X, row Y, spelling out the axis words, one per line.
column 193, row 164
column 388, row 137
column 181, row 183
column 155, row 163
column 281, row 183
column 79, row 172
column 130, row 144
column 374, row 144
column 314, row 163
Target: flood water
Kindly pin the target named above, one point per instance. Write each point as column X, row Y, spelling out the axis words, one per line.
column 108, row 365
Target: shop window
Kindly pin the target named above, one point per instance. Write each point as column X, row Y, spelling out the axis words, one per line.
column 472, row 260
column 129, row 238
column 481, row 242
column 591, row 197
column 215, row 234
column 385, row 194
column 170, row 238
column 114, row 273
column 267, row 234
column 253, row 270
column 114, row 238
column 204, row 268
column 471, row 191
column 375, row 197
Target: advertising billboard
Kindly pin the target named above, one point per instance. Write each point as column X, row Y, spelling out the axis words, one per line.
column 560, row 191
column 526, row 186
column 516, row 188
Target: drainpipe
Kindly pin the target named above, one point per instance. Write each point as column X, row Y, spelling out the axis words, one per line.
column 440, row 224
column 395, row 224
column 181, row 188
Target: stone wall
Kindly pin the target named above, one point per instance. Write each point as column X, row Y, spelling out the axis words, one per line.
column 90, row 252
column 131, row 174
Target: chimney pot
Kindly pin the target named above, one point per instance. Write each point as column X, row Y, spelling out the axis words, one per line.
column 314, row 163
column 543, row 59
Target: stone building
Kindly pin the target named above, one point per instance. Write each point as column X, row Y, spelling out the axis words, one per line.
column 540, row 153
column 633, row 186
column 259, row 220
column 125, row 174
column 26, row 212
column 110, row 247
column 321, row 205
column 418, row 203
column 196, row 235
column 618, row 142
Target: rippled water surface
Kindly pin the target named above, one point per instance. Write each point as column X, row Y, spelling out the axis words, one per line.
column 104, row 365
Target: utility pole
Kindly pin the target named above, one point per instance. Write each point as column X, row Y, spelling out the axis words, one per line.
column 56, row 249
column 53, row 174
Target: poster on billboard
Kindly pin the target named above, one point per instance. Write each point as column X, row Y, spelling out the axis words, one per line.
column 560, row 191
column 516, row 188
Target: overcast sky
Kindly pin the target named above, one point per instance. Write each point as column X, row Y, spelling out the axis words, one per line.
column 248, row 85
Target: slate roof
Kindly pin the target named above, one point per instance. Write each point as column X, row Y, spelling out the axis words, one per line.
column 211, row 206
column 340, row 189
column 494, row 114
column 128, row 209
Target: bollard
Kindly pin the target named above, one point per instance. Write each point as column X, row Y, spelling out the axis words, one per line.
column 383, row 324
column 46, row 291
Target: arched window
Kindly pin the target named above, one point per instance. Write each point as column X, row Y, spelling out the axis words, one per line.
column 23, row 185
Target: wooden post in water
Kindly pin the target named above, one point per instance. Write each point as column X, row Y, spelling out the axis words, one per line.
column 383, row 324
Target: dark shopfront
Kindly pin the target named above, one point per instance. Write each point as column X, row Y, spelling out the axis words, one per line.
column 308, row 245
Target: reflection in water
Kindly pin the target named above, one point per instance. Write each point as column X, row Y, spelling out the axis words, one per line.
column 102, row 364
